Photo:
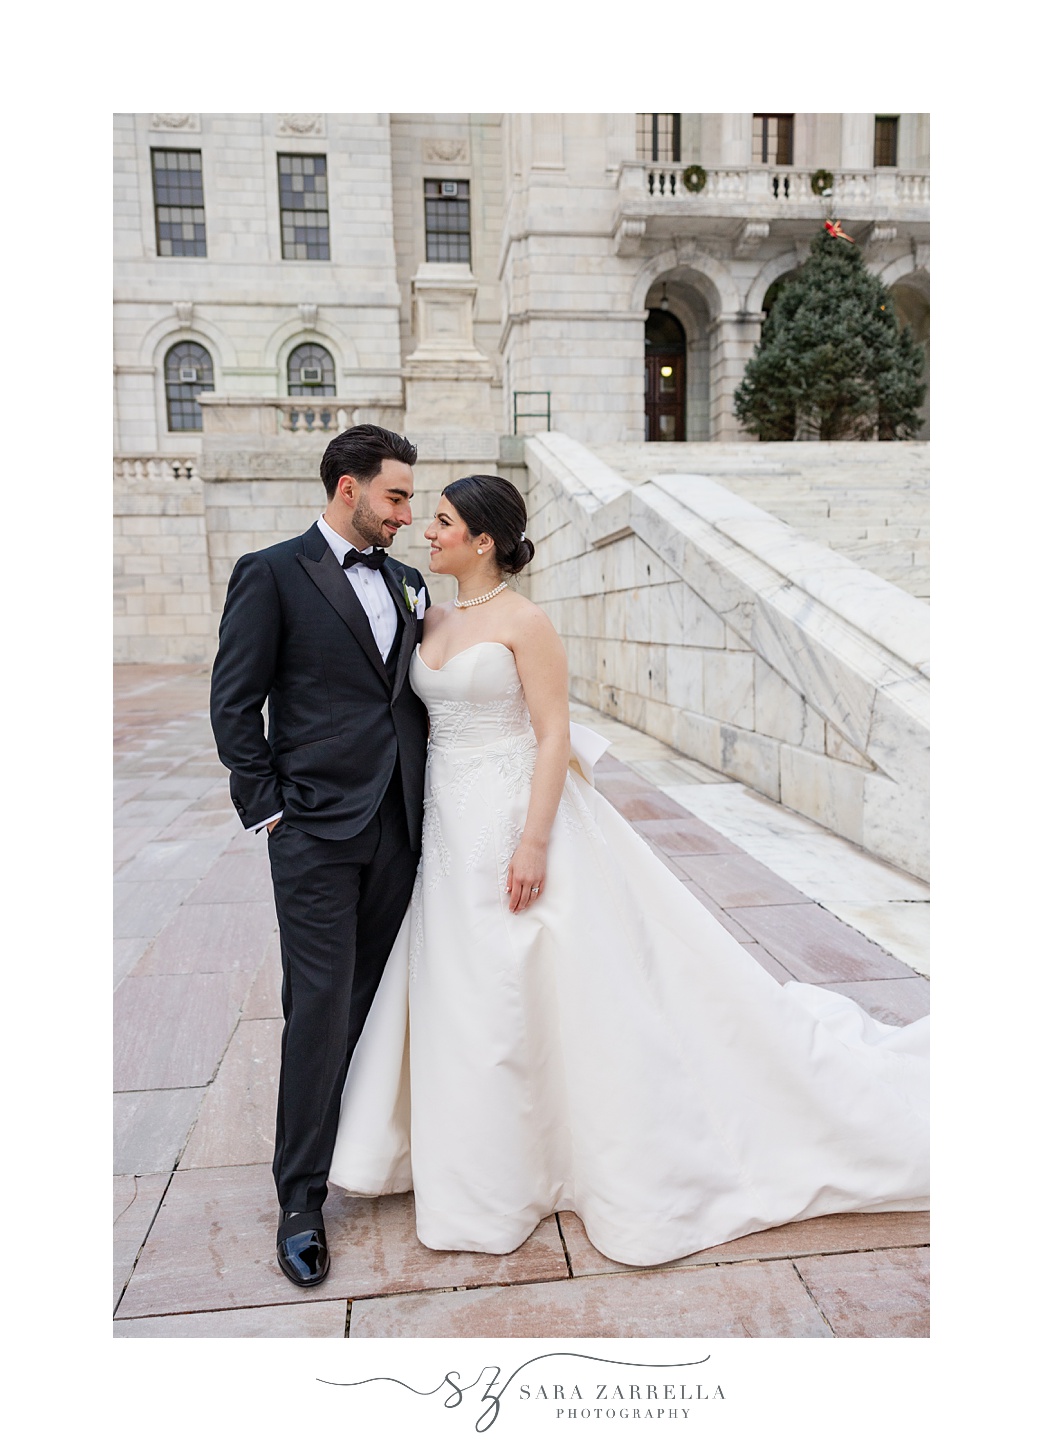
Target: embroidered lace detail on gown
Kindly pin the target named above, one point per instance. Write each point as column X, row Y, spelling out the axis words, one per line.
column 612, row 1050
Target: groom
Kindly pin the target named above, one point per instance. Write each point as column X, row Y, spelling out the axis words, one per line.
column 323, row 628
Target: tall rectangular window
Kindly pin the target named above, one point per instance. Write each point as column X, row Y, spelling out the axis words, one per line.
column 772, row 140
column 177, row 186
column 885, row 141
column 304, row 207
column 447, row 220
column 659, row 136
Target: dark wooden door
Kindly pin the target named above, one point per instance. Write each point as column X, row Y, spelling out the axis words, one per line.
column 664, row 378
column 664, row 397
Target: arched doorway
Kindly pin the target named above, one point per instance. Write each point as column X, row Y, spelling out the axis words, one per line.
column 912, row 301
column 665, row 348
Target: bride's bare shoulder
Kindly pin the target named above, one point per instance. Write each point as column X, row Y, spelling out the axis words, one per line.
column 528, row 623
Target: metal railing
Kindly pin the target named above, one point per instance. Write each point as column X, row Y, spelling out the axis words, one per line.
column 543, row 413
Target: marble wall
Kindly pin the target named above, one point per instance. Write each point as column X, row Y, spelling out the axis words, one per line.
column 692, row 614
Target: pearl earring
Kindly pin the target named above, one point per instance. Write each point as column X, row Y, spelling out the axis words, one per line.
column 479, row 551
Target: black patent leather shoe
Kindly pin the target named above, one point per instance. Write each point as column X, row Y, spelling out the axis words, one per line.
column 301, row 1249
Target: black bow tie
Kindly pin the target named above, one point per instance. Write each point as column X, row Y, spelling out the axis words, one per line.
column 373, row 560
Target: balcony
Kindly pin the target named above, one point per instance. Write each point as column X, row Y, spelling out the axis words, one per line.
column 655, row 203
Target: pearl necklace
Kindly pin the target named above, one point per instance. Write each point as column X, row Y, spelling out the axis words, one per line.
column 481, row 599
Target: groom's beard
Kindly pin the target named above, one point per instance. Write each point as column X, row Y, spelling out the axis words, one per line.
column 369, row 526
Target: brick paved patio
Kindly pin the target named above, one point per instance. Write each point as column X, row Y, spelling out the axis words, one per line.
column 197, row 1024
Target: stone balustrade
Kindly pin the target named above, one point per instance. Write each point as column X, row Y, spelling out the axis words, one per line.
column 314, row 416
column 645, row 185
column 692, row 614
column 136, row 468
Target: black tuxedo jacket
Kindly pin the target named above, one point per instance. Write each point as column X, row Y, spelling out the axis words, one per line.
column 294, row 633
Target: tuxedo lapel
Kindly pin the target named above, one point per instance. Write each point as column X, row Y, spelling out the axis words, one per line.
column 394, row 578
column 332, row 581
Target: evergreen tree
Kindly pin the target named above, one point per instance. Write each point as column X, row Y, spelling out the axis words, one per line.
column 832, row 359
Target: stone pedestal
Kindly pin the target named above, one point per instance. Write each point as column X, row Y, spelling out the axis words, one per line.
column 448, row 381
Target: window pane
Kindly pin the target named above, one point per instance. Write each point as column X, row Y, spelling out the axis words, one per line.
column 304, row 207
column 447, row 220
column 310, row 358
column 659, row 136
column 184, row 414
column 885, row 141
column 177, row 186
column 772, row 139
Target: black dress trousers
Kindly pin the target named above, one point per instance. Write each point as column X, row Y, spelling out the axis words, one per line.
column 340, row 905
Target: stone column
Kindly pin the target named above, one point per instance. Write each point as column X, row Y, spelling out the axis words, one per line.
column 733, row 337
column 856, row 141
column 736, row 138
column 548, row 141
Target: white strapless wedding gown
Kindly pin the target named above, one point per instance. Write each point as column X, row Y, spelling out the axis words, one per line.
column 611, row 1050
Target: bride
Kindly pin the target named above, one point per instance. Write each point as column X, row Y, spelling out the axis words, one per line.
column 561, row 1025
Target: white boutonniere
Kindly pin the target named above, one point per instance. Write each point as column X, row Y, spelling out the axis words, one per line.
column 417, row 602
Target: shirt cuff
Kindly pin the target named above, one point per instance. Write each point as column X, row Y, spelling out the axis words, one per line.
column 266, row 822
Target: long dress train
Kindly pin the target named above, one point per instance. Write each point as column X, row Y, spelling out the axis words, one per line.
column 611, row 1050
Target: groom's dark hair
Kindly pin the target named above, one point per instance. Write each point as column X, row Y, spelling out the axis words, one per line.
column 361, row 452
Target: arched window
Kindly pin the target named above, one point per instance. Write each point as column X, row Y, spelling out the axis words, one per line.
column 188, row 371
column 310, row 372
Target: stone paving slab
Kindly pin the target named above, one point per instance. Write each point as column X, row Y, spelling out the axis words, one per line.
column 135, row 1201
column 150, row 1128
column 175, row 786
column 736, row 880
column 684, row 834
column 127, row 841
column 264, row 1000
column 157, row 861
column 815, row 947
column 828, row 1234
column 211, row 937
column 769, row 963
column 237, row 1124
column 900, row 927
column 739, row 931
column 636, row 799
column 319, row 1320
column 747, row 1300
column 199, row 824
column 147, row 813
column 126, row 953
column 237, row 877
column 142, row 908
column 212, row 1247
column 896, row 1001
column 882, row 1293
column 170, row 1032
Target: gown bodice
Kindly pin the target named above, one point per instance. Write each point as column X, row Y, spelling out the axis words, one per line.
column 475, row 700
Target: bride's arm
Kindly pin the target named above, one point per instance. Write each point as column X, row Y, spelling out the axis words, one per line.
column 543, row 670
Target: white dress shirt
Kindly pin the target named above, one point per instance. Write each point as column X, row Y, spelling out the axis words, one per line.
column 371, row 589
column 374, row 598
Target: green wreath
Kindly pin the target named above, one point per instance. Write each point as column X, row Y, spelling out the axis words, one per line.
column 822, row 181
column 694, row 178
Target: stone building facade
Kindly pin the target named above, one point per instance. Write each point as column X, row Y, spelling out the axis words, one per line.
column 466, row 278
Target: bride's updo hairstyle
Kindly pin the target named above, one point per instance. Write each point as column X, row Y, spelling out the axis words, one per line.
column 490, row 505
